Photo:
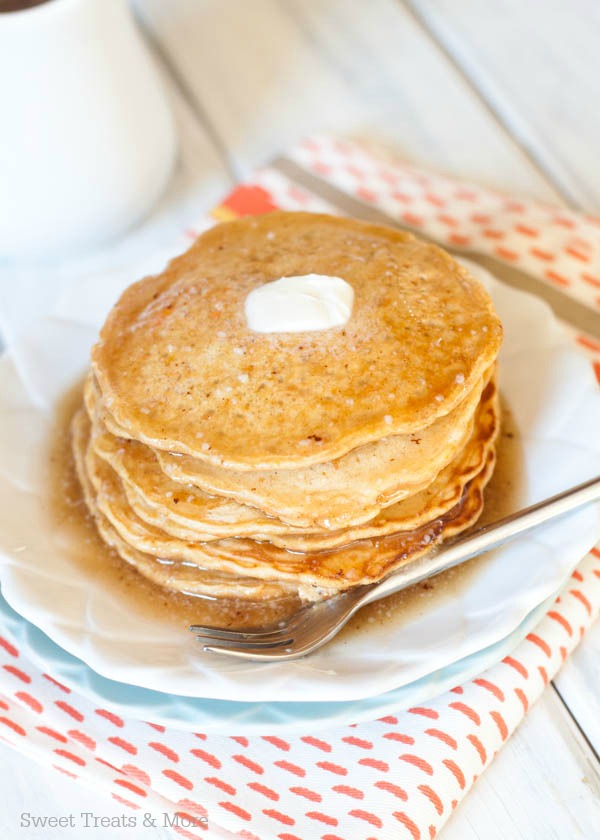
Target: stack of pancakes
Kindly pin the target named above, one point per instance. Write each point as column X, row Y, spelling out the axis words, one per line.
column 223, row 462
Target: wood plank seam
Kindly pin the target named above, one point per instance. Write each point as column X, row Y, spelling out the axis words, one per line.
column 576, row 723
column 198, row 110
column 500, row 117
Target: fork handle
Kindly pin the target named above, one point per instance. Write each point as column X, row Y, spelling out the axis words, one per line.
column 461, row 549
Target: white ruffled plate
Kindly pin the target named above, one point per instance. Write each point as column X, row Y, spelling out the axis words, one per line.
column 556, row 404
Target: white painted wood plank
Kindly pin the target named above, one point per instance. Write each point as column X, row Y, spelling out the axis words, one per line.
column 251, row 70
column 268, row 72
column 202, row 174
column 30, row 787
column 538, row 64
column 543, row 785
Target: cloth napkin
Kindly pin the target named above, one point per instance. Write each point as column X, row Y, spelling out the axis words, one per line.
column 402, row 775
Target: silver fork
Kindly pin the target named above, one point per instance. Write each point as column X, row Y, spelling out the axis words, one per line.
column 317, row 622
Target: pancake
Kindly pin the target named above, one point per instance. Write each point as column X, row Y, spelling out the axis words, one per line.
column 180, row 370
column 316, row 575
column 346, row 492
column 186, row 513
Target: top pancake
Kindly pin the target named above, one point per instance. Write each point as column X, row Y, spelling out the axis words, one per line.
column 180, row 370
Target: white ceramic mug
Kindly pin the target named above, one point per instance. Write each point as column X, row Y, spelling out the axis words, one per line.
column 87, row 140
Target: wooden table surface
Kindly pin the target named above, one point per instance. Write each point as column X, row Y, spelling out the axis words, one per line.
column 502, row 92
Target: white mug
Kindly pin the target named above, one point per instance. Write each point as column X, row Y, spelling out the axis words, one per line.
column 87, row 139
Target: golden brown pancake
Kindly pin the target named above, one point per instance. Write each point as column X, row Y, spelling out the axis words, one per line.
column 189, row 514
column 180, row 370
column 316, row 574
column 349, row 491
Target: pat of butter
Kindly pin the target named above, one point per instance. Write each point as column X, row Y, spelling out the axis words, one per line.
column 299, row 304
